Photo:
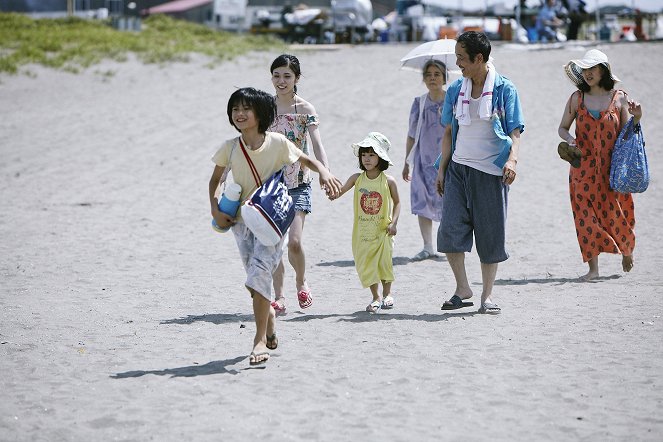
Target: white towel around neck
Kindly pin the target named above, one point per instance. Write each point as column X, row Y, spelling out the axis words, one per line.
column 486, row 103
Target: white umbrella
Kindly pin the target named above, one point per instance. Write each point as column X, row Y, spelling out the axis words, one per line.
column 443, row 50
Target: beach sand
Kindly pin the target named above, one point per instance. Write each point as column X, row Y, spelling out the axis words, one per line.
column 123, row 315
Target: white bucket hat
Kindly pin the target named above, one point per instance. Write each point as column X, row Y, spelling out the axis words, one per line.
column 591, row 58
column 378, row 142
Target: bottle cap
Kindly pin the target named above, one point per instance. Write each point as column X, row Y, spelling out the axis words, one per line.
column 233, row 191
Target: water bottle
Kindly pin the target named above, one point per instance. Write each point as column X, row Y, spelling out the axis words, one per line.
column 228, row 204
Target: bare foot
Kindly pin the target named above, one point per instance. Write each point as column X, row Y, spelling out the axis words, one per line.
column 589, row 276
column 627, row 263
column 593, row 270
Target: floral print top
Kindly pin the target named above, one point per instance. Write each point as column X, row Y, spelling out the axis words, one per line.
column 295, row 128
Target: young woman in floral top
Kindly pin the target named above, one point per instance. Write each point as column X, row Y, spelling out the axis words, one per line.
column 298, row 121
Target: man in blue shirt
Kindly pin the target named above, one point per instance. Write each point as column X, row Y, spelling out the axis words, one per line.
column 483, row 120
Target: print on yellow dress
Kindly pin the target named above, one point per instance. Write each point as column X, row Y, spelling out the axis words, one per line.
column 372, row 247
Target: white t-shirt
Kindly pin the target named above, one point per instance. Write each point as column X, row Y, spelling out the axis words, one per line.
column 477, row 145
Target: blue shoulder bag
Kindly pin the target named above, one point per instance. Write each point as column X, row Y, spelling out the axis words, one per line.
column 269, row 211
column 629, row 172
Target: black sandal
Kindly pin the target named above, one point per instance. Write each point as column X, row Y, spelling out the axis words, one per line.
column 272, row 342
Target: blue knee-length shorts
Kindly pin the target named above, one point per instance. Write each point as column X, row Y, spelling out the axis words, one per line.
column 475, row 204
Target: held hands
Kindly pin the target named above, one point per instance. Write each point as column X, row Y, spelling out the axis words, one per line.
column 330, row 184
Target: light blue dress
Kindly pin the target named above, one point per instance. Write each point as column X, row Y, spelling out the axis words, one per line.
column 424, row 199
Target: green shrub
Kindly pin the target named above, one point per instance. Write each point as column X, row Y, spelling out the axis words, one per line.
column 73, row 43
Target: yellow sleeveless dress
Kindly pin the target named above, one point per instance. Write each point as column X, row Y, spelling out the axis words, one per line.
column 372, row 248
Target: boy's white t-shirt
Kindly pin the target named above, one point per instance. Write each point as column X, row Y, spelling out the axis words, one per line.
column 277, row 151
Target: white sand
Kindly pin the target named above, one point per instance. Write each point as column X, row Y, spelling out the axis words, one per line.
column 123, row 314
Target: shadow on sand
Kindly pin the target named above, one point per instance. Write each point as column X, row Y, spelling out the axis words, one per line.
column 214, row 367
column 214, row 318
column 397, row 261
column 558, row 281
column 363, row 316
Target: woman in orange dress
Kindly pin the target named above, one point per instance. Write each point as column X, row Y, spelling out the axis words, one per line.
column 604, row 219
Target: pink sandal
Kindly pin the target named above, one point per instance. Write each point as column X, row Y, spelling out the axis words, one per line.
column 304, row 298
column 279, row 308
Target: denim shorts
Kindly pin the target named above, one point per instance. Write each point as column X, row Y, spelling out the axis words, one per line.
column 301, row 197
column 474, row 203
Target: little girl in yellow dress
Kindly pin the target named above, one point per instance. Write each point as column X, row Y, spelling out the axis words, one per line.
column 376, row 211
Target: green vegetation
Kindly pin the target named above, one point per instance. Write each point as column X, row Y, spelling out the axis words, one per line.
column 73, row 43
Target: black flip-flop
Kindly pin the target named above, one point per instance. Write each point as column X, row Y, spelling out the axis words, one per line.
column 455, row 303
column 272, row 342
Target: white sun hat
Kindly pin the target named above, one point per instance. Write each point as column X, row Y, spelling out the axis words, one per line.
column 591, row 58
column 378, row 142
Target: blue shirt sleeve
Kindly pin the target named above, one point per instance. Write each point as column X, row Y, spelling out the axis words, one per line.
column 513, row 111
column 449, row 102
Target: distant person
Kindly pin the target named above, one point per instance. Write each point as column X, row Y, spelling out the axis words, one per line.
column 287, row 9
column 483, row 120
column 376, row 211
column 422, row 148
column 251, row 112
column 576, row 15
column 286, row 21
column 547, row 21
column 604, row 219
column 297, row 119
column 638, row 31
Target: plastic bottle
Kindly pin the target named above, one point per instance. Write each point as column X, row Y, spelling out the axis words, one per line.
column 228, row 204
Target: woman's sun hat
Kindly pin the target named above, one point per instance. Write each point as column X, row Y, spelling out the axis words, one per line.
column 378, row 142
column 591, row 58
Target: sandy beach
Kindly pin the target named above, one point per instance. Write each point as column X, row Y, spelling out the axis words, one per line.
column 123, row 314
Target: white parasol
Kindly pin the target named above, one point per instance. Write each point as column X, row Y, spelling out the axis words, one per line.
column 443, row 50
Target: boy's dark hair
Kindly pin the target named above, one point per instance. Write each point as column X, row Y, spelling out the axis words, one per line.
column 382, row 163
column 475, row 43
column 263, row 105
column 606, row 81
column 289, row 61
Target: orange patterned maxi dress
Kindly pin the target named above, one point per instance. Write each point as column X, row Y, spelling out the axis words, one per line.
column 604, row 219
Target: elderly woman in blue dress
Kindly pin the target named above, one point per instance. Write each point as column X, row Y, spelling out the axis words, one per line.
column 422, row 147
